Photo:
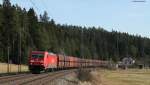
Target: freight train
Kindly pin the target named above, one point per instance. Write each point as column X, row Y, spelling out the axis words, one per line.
column 46, row 61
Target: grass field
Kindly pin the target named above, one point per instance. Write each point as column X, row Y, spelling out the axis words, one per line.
column 12, row 67
column 118, row 77
column 123, row 77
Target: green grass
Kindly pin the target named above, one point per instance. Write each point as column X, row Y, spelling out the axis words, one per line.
column 12, row 67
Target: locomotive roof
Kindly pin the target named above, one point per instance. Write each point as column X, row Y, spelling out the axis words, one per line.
column 51, row 53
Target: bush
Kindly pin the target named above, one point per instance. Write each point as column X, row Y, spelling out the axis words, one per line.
column 84, row 74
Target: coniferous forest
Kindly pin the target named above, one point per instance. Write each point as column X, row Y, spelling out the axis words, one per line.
column 23, row 30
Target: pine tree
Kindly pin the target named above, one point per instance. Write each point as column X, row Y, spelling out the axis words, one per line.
column 44, row 18
column 7, row 25
column 33, row 28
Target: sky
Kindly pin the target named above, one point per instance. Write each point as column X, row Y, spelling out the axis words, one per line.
column 119, row 15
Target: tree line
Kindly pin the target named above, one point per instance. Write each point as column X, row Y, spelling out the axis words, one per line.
column 23, row 30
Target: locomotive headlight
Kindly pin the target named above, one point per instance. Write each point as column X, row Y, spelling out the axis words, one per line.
column 32, row 61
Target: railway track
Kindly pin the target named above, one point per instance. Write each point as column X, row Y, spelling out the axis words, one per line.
column 33, row 79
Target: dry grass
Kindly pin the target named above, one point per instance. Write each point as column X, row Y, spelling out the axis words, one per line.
column 88, row 77
column 119, row 77
column 107, row 77
column 125, row 77
column 12, row 67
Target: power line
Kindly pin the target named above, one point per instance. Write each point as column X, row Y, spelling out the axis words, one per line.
column 45, row 6
column 34, row 5
column 139, row 1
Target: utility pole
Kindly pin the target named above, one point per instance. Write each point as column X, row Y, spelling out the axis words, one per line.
column 20, row 52
column 117, row 48
column 81, row 49
column 8, row 70
column 82, row 56
column 19, row 55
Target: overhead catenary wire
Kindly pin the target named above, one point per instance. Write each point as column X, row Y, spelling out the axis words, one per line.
column 47, row 9
column 44, row 6
column 34, row 5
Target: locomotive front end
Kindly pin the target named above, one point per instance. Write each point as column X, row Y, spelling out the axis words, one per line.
column 36, row 61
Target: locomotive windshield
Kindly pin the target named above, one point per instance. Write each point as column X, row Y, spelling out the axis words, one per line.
column 37, row 55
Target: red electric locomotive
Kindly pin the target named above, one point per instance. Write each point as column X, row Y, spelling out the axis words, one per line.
column 40, row 61
column 44, row 61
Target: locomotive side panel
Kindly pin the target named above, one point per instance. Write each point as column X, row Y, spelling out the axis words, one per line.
column 50, row 61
